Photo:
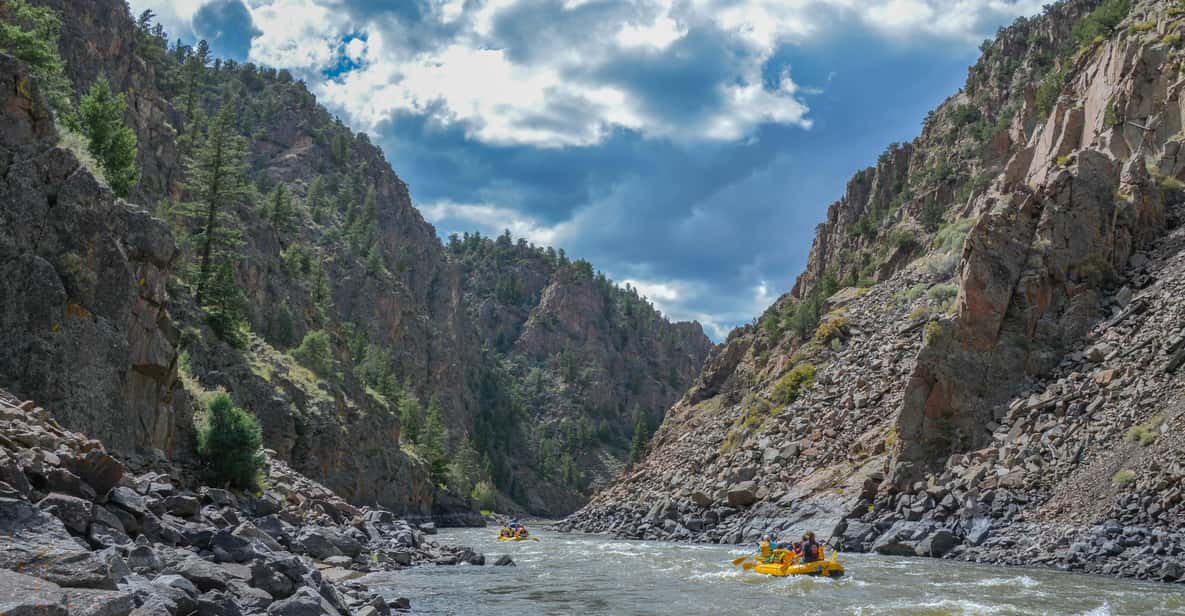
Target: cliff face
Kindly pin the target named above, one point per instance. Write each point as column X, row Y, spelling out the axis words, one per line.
column 353, row 262
column 588, row 359
column 985, row 315
column 82, row 285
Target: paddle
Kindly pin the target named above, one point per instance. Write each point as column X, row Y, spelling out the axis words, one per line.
column 737, row 561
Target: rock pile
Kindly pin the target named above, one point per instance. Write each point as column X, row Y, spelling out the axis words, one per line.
column 757, row 466
column 86, row 532
column 1085, row 468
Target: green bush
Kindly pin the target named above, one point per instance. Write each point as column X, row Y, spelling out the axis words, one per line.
column 483, row 494
column 951, row 236
column 30, row 33
column 835, row 328
column 316, row 353
column 228, row 442
column 1123, row 477
column 1101, row 21
column 100, row 119
column 1049, row 90
column 939, row 294
column 1145, row 434
column 790, row 386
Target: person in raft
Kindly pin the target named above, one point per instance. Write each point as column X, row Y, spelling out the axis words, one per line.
column 769, row 549
column 809, row 550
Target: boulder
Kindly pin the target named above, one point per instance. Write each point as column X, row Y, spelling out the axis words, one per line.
column 22, row 595
column 228, row 547
column 504, row 561
column 74, row 512
column 742, row 494
column 265, row 576
column 128, row 499
column 937, row 543
column 306, row 602
column 88, row 602
column 99, row 469
column 249, row 531
column 182, row 506
column 316, row 542
column 144, row 559
column 37, row 543
column 204, row 575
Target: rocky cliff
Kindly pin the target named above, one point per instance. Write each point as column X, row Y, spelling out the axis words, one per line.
column 983, row 348
column 590, row 362
column 351, row 262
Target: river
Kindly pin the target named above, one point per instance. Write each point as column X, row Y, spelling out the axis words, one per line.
column 583, row 574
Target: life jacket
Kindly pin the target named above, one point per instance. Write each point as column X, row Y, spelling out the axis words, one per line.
column 765, row 549
column 810, row 551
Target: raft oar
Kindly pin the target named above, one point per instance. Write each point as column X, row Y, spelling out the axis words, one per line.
column 737, row 561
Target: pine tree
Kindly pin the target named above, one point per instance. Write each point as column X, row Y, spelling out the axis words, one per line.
column 100, row 118
column 315, row 199
column 641, row 436
column 218, row 177
column 465, row 469
column 374, row 259
column 410, row 418
column 278, row 209
column 432, row 443
column 192, row 72
column 228, row 441
column 226, row 306
column 30, row 33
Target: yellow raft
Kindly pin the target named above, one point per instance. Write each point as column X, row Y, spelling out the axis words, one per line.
column 787, row 567
column 505, row 538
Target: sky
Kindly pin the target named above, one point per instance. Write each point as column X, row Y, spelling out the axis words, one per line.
column 687, row 147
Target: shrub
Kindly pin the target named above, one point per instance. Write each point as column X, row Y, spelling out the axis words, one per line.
column 1144, row 26
column 790, row 386
column 931, row 215
column 316, row 353
column 904, row 241
column 1169, row 183
column 1063, row 161
column 911, row 294
column 1101, row 21
column 920, row 313
column 932, row 329
column 483, row 494
column 228, row 442
column 939, row 294
column 100, row 118
column 1049, row 90
column 1146, row 433
column 1123, row 477
column 834, row 328
column 1110, row 114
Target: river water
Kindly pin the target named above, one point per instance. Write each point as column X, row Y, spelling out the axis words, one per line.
column 583, row 574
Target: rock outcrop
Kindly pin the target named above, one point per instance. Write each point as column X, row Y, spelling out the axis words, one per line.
column 1004, row 366
column 588, row 358
column 87, row 533
column 82, row 285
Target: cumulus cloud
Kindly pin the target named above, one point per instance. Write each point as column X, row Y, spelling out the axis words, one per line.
column 451, row 217
column 687, row 146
